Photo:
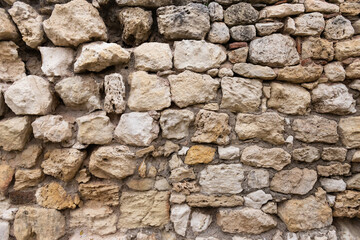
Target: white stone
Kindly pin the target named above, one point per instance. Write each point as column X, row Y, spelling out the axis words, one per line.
column 257, row 199
column 56, row 61
column 114, row 101
column 180, row 216
column 333, row 185
column 200, row 221
column 228, row 153
column 175, row 123
column 320, row 6
column 334, row 71
column 4, row 230
column 52, row 128
column 183, row 151
column 153, row 57
column 309, row 24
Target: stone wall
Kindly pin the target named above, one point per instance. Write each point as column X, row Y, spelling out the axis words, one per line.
column 175, row 119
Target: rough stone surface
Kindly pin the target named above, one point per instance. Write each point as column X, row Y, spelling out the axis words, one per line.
column 200, row 221
column 257, row 199
column 258, row 178
column 333, row 169
column 352, row 70
column 243, row 32
column 249, row 70
column 267, row 28
column 333, row 154
column 52, row 128
column 14, row 133
column 335, row 72
column 12, row 68
column 309, row 24
column 27, row 178
column 348, row 129
column 338, row 28
column 114, row 86
column 56, row 61
column 29, row 156
column 282, row 10
column 153, row 57
column 241, row 13
column 106, row 193
column 353, row 182
column 306, row 154
column 200, row 200
column 333, row 185
column 229, row 152
column 199, row 154
column 300, row 74
column 216, row 12
column 6, row 173
column 219, row 33
column 180, row 217
column 317, row 48
column 346, row 49
column 53, row 195
column 320, row 6
column 144, row 3
column 239, row 55
column 175, row 123
column 347, row 204
column 8, row 30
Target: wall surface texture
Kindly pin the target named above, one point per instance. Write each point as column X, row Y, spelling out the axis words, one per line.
column 180, row 119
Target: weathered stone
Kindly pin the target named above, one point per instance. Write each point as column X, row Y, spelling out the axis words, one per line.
column 8, row 30
column 347, row 204
column 54, row 196
column 353, row 70
column 300, row 74
column 267, row 28
column 315, row 129
column 175, row 123
column 353, row 182
column 200, row 221
column 257, row 199
column 256, row 156
column 309, row 24
column 29, row 156
column 166, row 150
column 334, row 71
column 258, row 178
column 79, row 92
column 249, row 70
column 320, row 6
column 178, row 22
column 106, row 193
column 11, row 66
column 74, row 23
column 216, row 12
column 6, row 176
column 350, row 8
column 222, row 178
column 333, row 154
column 333, row 169
column 143, row 184
column 333, row 185
column 30, row 95
column 52, row 128
column 240, row 13
column 188, row 88
column 181, row 173
column 114, row 101
column 348, row 129
column 219, row 33
column 333, row 98
column 136, row 24
column 240, row 94
column 63, row 163
column 244, row 220
column 200, row 200
column 306, row 214
column 338, row 28
column 112, row 162
column 306, row 154
column 153, row 57
column 356, row 26
column 207, row 55
column 40, row 222
column 229, row 152
column 56, row 61
column 14, row 133
column 275, row 50
column 356, row 157
column 294, row 181
column 243, row 32
column 289, row 98
column 83, row 176
column 199, row 154
column 211, row 127
column 136, row 128
column 289, row 26
column 27, row 178
column 180, row 217
column 346, row 49
column 144, row 3
column 317, row 48
column 238, row 55
column 268, row 127
column 141, row 209
column 29, row 23
column 282, row 10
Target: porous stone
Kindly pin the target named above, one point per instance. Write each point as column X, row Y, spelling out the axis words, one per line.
column 180, row 217
column 338, row 28
column 175, row 123
column 334, row 71
column 243, row 32
column 144, row 3
column 228, row 153
column 258, row 178
column 333, row 154
column 148, row 92
column 300, row 74
column 219, row 33
column 348, row 129
column 257, row 199
column 268, row 127
column 8, row 30
column 320, row 6
column 200, row 221
column 346, row 49
column 317, row 48
column 27, row 178
column 354, row 182
column 73, row 23
column 63, row 163
column 6, row 173
column 153, row 57
column 333, row 185
column 52, row 128
column 199, row 154
column 353, row 70
column 188, row 88
column 267, row 28
column 216, row 12
column 249, row 70
column 306, row 154
column 333, row 169
column 207, row 55
column 137, row 129
column 309, row 24
column 114, row 101
column 12, row 68
column 56, row 61
column 53, row 195
column 275, row 50
column 201, row 200
column 178, row 22
column 282, row 10
column 105, row 193
column 347, row 204
column 238, row 55
column 240, row 13
column 14, row 133
column 222, row 178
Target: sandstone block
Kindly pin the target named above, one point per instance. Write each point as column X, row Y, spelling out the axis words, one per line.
column 338, row 28
column 200, row 200
column 352, row 70
column 282, row 10
column 27, row 178
column 53, row 195
column 348, row 129
column 333, row 185
column 199, row 154
column 153, row 57
column 8, row 30
column 105, row 193
column 249, row 70
column 6, row 173
column 347, row 204
column 267, row 28
column 333, row 169
column 346, row 49
column 144, row 3
column 300, row 74
column 317, row 48
column 334, row 71
column 306, row 154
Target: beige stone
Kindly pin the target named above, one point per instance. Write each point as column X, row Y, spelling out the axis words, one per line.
column 353, row 70
column 106, row 193
column 350, row 8
column 338, row 28
column 309, row 24
column 219, row 33
column 306, row 154
column 202, row 200
column 114, row 86
column 153, row 57
column 216, row 12
column 6, row 176
column 249, row 70
column 143, row 184
column 56, row 61
column 320, row 6
column 181, row 173
column 175, row 123
column 27, row 178
column 348, row 129
column 8, row 30
column 199, row 154
column 29, row 156
column 267, row 28
column 53, row 195
column 334, row 71
column 353, row 182
column 14, row 133
column 144, row 3
column 347, row 204
column 179, row 216
column 333, row 154
column 258, row 178
column 317, row 48
column 12, row 68
column 300, row 74
column 52, row 128
column 333, row 169
column 282, row 10
column 240, row 14
column 238, row 55
column 347, row 48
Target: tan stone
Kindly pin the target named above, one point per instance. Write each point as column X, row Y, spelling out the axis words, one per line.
column 356, row 157
column 335, row 72
column 27, row 178
column 320, row 6
column 350, row 8
column 53, row 195
column 201, row 200
column 8, row 30
column 353, row 182
column 348, row 129
column 282, row 10
column 144, row 184
column 249, row 70
column 347, row 48
column 333, row 154
column 306, row 154
column 52, row 128
column 353, row 70
column 347, row 204
column 300, row 74
column 29, row 156
column 181, row 173
column 6, row 176
column 106, row 193
column 238, row 55
column 12, row 68
column 153, row 57
column 317, row 48
column 199, row 154
column 333, row 169
column 14, row 133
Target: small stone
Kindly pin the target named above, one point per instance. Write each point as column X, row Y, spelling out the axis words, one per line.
column 106, row 193
column 270, row 208
column 6, row 176
column 333, row 154
column 14, row 133
column 238, row 55
column 309, row 24
column 83, row 176
column 320, row 6
column 219, row 33
column 166, row 150
column 12, row 68
column 29, row 156
column 188, row 88
column 348, row 131
column 346, row 49
column 52, row 128
column 228, row 153
column 56, row 61
column 27, row 178
column 216, row 12
column 352, row 70
column 240, row 13
column 137, row 129
column 29, row 23
column 317, row 48
column 224, row 72
column 8, row 30
column 315, row 129
column 63, row 163
column 200, row 200
column 144, row 3
column 54, row 196
column 289, row 26
column 180, row 217
column 300, row 74
column 200, row 221
column 258, row 178
column 199, row 154
column 181, row 173
column 353, row 182
column 334, row 71
column 153, row 57
column 333, row 185
column 338, row 28
column 249, row 70
column 212, row 127
column 347, row 204
column 282, row 10
column 162, row 184
column 144, row 184
column 243, row 33
column 257, row 199
column 73, row 23
column 114, row 101
column 356, row 26
column 267, row 28
column 333, row 169
column 306, row 154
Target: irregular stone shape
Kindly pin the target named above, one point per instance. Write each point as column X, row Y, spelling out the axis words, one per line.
column 333, row 185
column 267, row 28
column 350, row 8
column 141, row 209
column 249, row 70
column 216, row 12
column 356, row 26
column 347, row 228
column 256, row 156
column 27, row 178
column 97, row 56
column 14, row 133
column 30, row 95
column 309, row 24
column 106, row 193
column 240, row 13
column 95, row 128
column 244, row 220
column 4, row 230
column 352, row 70
column 334, row 71
column 275, row 50
column 94, row 216
column 29, row 23
column 175, row 123
column 222, row 179
column 353, row 182
column 306, row 154
column 268, row 127
column 356, row 157
column 112, row 162
column 240, row 94
column 333, row 169
column 188, row 88
column 12, row 68
column 300, row 74
column 338, row 28
column 315, row 129
column 52, row 128
column 136, row 24
column 282, row 10
column 178, row 22
column 148, row 92
column 73, row 23
column 200, row 200
column 211, row 127
column 200, row 221
column 243, row 33
column 346, row 49
column 63, row 163
column 180, row 217
column 40, row 222
column 207, row 55
column 258, row 178
column 153, row 57
column 56, row 61
column 181, row 173
column 228, row 153
column 144, row 3
column 238, row 55
column 137, row 129
column 320, row 6
column 305, row 214
column 6, row 176
column 219, row 33
column 294, row 181
column 114, row 101
column 334, row 98
column 348, row 129
column 347, row 204
column 79, row 93
column 333, row 154
column 8, row 30
column 54, row 196
column 317, row 48
column 199, row 154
